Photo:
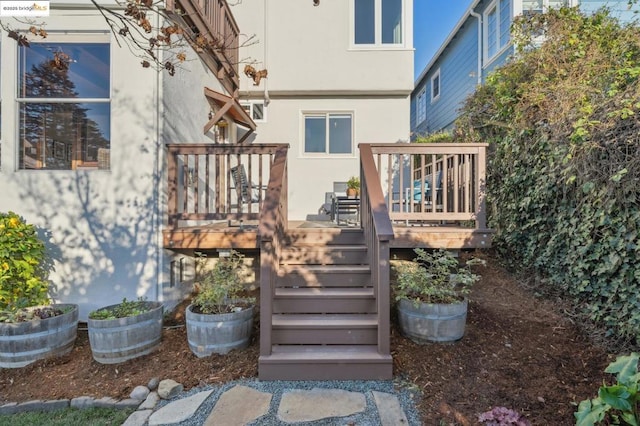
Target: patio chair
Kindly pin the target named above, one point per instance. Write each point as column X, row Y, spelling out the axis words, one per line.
column 415, row 193
column 247, row 192
column 423, row 198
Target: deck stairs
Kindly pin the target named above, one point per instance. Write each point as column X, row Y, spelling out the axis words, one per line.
column 324, row 322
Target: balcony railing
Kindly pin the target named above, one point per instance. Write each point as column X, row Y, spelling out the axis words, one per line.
column 208, row 182
column 213, row 20
column 433, row 183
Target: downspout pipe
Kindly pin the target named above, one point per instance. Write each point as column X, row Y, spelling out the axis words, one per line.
column 267, row 100
column 479, row 18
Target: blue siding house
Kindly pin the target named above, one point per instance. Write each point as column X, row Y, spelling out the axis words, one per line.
column 478, row 44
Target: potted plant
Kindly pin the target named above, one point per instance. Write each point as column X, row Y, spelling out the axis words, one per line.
column 219, row 320
column 353, row 186
column 124, row 331
column 30, row 327
column 432, row 295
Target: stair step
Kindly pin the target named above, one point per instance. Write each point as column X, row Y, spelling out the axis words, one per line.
column 324, row 276
column 325, row 255
column 332, row 329
column 317, row 362
column 323, row 236
column 325, row 321
column 324, row 300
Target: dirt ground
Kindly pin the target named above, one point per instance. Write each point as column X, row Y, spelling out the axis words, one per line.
column 519, row 351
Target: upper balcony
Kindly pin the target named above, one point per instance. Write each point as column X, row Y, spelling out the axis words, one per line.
column 214, row 37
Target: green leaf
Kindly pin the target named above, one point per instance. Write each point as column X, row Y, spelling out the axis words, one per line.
column 590, row 412
column 615, row 396
column 630, row 419
column 626, row 369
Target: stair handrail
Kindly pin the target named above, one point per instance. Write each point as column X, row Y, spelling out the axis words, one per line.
column 378, row 232
column 272, row 227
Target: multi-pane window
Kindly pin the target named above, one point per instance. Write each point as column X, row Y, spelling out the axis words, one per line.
column 257, row 110
column 328, row 133
column 421, row 106
column 435, row 86
column 377, row 22
column 539, row 6
column 64, row 105
column 497, row 26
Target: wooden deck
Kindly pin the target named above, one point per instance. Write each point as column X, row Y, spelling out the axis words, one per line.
column 325, row 289
column 222, row 236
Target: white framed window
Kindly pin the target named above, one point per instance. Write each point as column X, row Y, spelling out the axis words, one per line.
column 257, row 110
column 421, row 106
column 540, row 6
column 64, row 103
column 328, row 133
column 497, row 25
column 435, row 86
column 377, row 22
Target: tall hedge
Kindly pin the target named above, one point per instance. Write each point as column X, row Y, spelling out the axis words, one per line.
column 562, row 119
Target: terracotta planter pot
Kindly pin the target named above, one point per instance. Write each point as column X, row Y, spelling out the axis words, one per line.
column 25, row 342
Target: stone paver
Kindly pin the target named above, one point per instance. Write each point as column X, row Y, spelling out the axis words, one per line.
column 138, row 418
column 389, row 409
column 177, row 411
column 239, row 406
column 151, row 402
column 316, row 404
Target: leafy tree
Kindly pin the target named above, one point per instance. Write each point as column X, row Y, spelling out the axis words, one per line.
column 562, row 120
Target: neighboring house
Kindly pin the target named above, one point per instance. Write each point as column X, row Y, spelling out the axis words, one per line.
column 478, row 44
column 83, row 151
column 339, row 74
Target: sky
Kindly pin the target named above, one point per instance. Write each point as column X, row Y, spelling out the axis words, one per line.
column 433, row 20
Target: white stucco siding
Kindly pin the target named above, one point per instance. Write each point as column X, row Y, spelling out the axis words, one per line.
column 374, row 120
column 307, row 48
column 185, row 108
column 102, row 226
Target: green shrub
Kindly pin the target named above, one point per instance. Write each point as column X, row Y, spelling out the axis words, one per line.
column 218, row 289
column 434, row 277
column 126, row 308
column 563, row 196
column 23, row 278
column 437, row 137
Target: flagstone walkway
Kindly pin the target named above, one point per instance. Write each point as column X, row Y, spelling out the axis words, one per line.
column 284, row 403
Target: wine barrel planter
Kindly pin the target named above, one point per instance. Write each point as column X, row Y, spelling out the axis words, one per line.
column 218, row 333
column 118, row 340
column 22, row 343
column 432, row 322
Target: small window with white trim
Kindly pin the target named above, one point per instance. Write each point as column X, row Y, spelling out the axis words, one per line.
column 377, row 22
column 257, row 110
column 328, row 133
column 540, row 6
column 497, row 27
column 435, row 86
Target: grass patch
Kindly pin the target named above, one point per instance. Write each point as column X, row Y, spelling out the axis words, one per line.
column 69, row 417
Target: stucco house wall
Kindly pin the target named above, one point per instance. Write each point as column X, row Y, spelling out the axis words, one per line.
column 314, row 66
column 103, row 227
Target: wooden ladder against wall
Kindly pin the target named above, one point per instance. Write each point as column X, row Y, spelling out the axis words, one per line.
column 325, row 322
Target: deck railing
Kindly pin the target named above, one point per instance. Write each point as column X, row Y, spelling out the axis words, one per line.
column 271, row 229
column 213, row 20
column 204, row 181
column 378, row 231
column 433, row 182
